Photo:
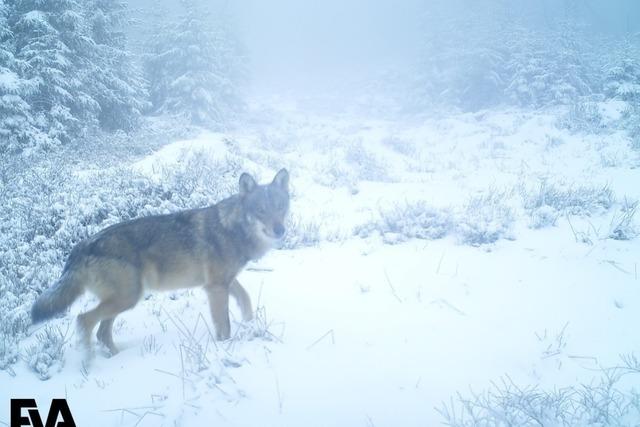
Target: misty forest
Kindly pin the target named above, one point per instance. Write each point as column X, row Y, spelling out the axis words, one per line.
column 462, row 243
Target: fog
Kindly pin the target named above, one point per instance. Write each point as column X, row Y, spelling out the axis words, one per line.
column 298, row 47
column 304, row 45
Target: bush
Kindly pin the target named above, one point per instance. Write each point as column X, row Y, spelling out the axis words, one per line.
column 583, row 117
column 485, row 219
column 411, row 220
column 47, row 355
column 300, row 233
column 623, row 225
column 600, row 403
column 366, row 164
column 547, row 202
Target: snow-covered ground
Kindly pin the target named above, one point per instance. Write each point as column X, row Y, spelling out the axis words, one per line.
column 425, row 257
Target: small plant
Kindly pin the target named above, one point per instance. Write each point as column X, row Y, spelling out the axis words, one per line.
column 402, row 146
column 46, row 356
column 410, row 220
column 623, row 226
column 602, row 402
column 548, row 201
column 8, row 351
column 583, row 117
column 301, row 233
column 258, row 327
column 367, row 165
column 485, row 219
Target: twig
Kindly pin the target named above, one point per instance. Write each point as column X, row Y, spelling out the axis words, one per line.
column 260, row 269
column 134, row 408
column 182, row 365
column 148, row 413
column 279, row 394
column 572, row 356
column 173, row 375
column 440, row 262
column 615, row 265
column 329, row 332
column 449, row 305
column 393, row 290
column 575, row 235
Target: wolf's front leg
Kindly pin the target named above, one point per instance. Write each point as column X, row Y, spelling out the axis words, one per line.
column 219, row 305
column 242, row 298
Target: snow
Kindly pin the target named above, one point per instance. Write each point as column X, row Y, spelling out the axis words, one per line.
column 361, row 332
column 9, row 81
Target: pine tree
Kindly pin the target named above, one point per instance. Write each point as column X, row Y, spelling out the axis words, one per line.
column 194, row 69
column 113, row 80
column 17, row 128
column 623, row 72
column 551, row 66
column 52, row 38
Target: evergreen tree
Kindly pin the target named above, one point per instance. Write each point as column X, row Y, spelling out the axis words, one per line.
column 16, row 124
column 194, row 69
column 113, row 80
column 52, row 39
column 623, row 73
column 69, row 70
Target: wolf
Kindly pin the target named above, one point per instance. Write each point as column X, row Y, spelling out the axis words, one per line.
column 205, row 247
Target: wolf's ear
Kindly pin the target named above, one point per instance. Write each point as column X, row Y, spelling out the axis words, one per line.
column 247, row 183
column 282, row 179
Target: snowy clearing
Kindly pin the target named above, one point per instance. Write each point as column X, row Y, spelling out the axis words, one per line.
column 518, row 261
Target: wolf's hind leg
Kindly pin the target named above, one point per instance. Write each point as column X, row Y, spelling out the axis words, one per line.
column 242, row 298
column 105, row 335
column 107, row 310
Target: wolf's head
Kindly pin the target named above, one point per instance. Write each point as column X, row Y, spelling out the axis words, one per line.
column 265, row 206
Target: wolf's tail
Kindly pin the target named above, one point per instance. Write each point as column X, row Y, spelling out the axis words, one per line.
column 57, row 298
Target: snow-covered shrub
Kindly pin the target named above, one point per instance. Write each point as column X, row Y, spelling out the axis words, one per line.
column 555, row 65
column 301, row 233
column 548, row 201
column 485, row 219
column 623, row 224
column 622, row 72
column 606, row 401
column 334, row 173
column 196, row 180
column 631, row 123
column 194, row 68
column 402, row 146
column 259, row 327
column 583, row 116
column 409, row 220
column 543, row 216
column 46, row 356
column 365, row 164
